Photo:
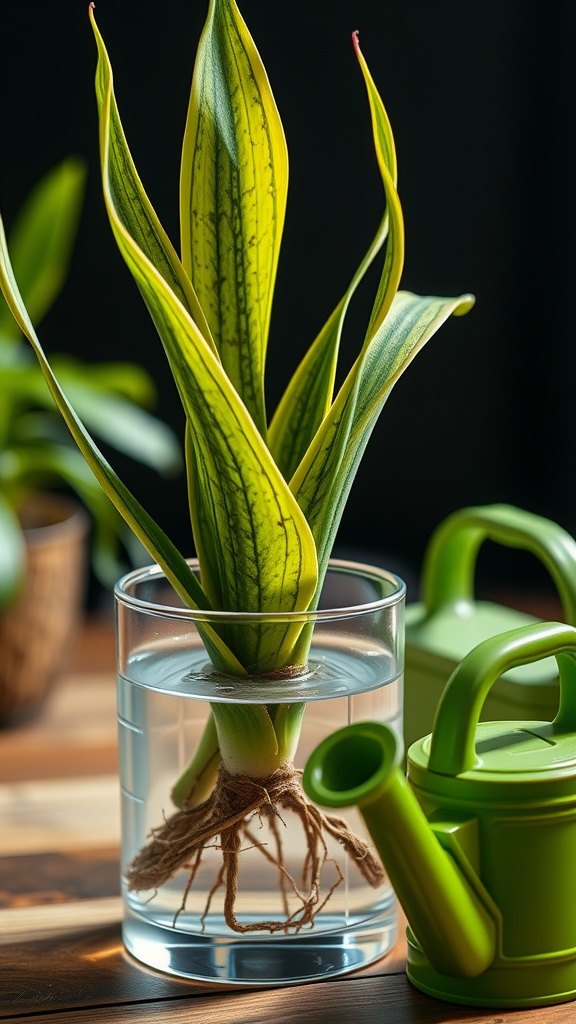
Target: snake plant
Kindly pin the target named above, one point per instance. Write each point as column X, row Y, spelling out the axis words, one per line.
column 36, row 451
column 266, row 494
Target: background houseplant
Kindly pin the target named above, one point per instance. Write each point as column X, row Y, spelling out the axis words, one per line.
column 43, row 533
column 265, row 498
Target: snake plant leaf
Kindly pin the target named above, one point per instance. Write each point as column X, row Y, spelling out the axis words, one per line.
column 248, row 741
column 42, row 238
column 291, row 430
column 127, row 194
column 324, row 478
column 308, row 396
column 12, row 552
column 386, row 156
column 287, row 720
column 265, row 558
column 266, row 555
column 199, row 778
column 234, row 183
column 262, row 647
column 154, row 539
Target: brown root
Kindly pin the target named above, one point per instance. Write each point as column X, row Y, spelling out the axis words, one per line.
column 227, row 816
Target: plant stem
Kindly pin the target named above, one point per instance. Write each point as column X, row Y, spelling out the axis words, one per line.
column 198, row 780
column 249, row 740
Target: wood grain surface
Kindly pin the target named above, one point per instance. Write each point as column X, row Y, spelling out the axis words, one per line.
column 61, row 954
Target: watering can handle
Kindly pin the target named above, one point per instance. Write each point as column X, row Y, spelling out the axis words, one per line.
column 452, row 747
column 448, row 571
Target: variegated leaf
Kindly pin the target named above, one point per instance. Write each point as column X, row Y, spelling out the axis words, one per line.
column 233, row 198
column 324, row 478
column 263, row 554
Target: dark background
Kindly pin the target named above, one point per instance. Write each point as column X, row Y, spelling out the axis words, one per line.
column 481, row 96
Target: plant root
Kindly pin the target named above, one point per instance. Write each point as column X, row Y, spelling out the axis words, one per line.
column 226, row 817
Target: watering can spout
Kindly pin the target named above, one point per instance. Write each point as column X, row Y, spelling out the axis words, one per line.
column 360, row 765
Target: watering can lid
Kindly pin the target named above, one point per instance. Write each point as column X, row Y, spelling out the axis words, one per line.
column 503, row 749
column 502, row 752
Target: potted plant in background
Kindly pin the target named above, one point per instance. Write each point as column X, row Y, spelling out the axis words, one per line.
column 226, row 661
column 45, row 484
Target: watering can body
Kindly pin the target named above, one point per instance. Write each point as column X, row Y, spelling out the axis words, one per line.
column 449, row 621
column 479, row 840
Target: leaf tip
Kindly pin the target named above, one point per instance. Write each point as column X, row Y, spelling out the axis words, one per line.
column 356, row 41
column 466, row 303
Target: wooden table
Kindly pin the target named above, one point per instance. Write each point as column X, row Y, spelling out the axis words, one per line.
column 61, row 954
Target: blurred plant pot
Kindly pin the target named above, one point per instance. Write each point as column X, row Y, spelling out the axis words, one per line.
column 36, row 631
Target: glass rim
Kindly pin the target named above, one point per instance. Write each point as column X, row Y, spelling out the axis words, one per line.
column 360, row 569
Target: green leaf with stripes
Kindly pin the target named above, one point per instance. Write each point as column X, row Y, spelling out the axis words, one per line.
column 261, row 554
column 386, row 156
column 325, row 476
column 126, row 193
column 307, row 399
column 233, row 196
column 399, row 325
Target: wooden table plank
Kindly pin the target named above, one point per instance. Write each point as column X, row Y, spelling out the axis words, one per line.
column 42, row 879
column 78, row 961
column 390, row 1000
column 55, row 957
column 62, row 814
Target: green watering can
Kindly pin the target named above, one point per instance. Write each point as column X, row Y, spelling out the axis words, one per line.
column 448, row 621
column 480, row 841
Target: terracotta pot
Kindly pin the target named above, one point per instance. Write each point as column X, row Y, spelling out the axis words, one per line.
column 36, row 631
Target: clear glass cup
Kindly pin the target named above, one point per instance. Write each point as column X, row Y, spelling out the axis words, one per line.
column 166, row 690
